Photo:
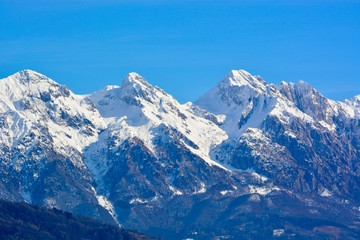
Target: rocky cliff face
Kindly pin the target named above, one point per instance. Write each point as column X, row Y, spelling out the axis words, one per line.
column 247, row 154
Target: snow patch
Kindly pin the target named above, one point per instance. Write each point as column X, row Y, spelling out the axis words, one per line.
column 138, row 200
column 262, row 190
column 201, row 190
column 175, row 191
column 330, row 127
column 226, row 192
column 105, row 203
column 326, row 193
column 50, row 202
column 278, row 232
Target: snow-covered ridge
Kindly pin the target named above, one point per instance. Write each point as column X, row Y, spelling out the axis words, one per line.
column 241, row 78
column 138, row 109
column 30, row 101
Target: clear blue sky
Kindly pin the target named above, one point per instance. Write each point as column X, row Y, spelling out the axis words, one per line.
column 184, row 47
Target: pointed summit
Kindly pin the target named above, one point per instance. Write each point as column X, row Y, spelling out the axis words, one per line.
column 308, row 100
column 28, row 83
column 134, row 91
column 134, row 77
column 242, row 78
column 29, row 76
column 300, row 90
column 134, row 88
column 133, row 81
column 238, row 87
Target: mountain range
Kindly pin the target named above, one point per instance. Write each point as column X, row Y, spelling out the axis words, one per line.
column 248, row 159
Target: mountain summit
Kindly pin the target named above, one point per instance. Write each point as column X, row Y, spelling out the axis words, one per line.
column 248, row 158
column 242, row 78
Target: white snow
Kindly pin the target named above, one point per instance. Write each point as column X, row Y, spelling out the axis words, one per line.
column 278, row 232
column 326, row 193
column 233, row 96
column 50, row 202
column 137, row 109
column 290, row 134
column 262, row 190
column 224, row 192
column 246, row 102
column 175, row 191
column 137, row 200
column 105, row 203
column 25, row 111
column 201, row 190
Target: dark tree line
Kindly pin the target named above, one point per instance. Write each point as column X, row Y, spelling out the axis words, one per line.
column 24, row 221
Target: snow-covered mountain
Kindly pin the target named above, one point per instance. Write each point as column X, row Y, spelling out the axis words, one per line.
column 44, row 129
column 245, row 152
column 291, row 131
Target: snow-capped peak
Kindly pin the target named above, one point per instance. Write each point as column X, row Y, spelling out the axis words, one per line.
column 135, row 89
column 237, row 88
column 134, row 84
column 135, row 78
column 30, row 76
column 28, row 83
column 39, row 102
column 244, row 100
column 302, row 85
column 242, row 78
column 138, row 109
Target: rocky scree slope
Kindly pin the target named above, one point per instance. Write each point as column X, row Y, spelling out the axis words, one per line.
column 246, row 152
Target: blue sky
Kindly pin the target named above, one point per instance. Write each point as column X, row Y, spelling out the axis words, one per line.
column 184, row 47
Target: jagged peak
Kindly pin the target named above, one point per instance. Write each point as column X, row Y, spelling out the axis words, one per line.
column 135, row 80
column 29, row 71
column 135, row 85
column 300, row 90
column 135, row 89
column 286, row 89
column 242, row 78
column 304, row 84
column 29, row 83
column 30, row 76
column 305, row 88
column 283, row 83
column 236, row 89
column 301, row 87
column 355, row 99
